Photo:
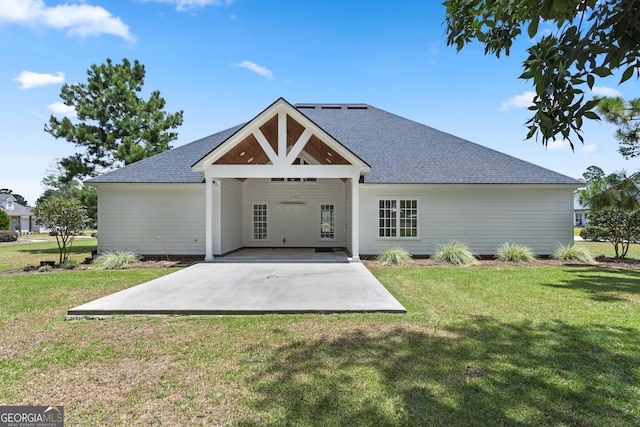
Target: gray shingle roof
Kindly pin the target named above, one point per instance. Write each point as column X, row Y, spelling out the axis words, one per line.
column 18, row 209
column 399, row 150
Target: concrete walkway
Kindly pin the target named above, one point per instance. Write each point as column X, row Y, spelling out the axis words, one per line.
column 251, row 288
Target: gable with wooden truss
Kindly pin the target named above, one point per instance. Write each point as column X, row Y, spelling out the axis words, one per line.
column 270, row 145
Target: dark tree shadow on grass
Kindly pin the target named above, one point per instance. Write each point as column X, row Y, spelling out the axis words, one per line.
column 603, row 284
column 55, row 250
column 482, row 372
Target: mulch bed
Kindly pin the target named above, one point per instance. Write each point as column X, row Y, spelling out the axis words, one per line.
column 140, row 265
column 601, row 262
column 418, row 262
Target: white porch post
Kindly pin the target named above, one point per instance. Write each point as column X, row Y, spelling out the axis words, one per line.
column 355, row 219
column 208, row 217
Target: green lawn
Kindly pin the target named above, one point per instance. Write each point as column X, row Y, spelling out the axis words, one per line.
column 523, row 346
column 20, row 254
column 606, row 249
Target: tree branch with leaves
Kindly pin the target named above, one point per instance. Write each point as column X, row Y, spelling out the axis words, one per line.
column 625, row 115
column 592, row 39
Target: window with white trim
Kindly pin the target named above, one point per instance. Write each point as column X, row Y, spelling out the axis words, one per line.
column 259, row 221
column 398, row 218
column 327, row 221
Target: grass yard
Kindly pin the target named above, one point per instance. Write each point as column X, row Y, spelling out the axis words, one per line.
column 22, row 253
column 523, row 346
column 606, row 249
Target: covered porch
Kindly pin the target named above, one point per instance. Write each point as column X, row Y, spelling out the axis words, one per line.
column 281, row 181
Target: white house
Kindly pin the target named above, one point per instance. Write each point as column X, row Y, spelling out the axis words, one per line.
column 580, row 212
column 331, row 175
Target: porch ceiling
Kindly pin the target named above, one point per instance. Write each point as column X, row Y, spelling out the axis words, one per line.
column 249, row 151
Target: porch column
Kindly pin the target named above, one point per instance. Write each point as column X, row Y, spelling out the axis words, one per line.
column 208, row 217
column 355, row 219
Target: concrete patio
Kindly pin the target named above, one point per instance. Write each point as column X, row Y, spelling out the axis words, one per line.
column 223, row 288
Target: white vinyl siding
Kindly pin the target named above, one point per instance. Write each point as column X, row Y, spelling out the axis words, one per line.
column 484, row 216
column 293, row 212
column 147, row 218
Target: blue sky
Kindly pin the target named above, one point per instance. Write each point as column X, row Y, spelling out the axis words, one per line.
column 222, row 62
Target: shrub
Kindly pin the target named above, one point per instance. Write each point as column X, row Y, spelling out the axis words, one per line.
column 113, row 260
column 515, row 252
column 45, row 268
column 394, row 256
column 69, row 264
column 5, row 220
column 619, row 225
column 570, row 252
column 594, row 233
column 8, row 236
column 454, row 252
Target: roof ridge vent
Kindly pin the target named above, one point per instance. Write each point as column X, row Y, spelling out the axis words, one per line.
column 306, row 106
column 357, row 106
column 331, row 107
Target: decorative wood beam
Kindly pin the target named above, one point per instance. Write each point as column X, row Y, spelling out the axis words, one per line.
column 282, row 134
column 266, row 146
column 298, row 146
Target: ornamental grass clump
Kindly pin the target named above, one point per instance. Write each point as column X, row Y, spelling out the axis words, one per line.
column 394, row 256
column 114, row 260
column 515, row 253
column 454, row 252
column 570, row 252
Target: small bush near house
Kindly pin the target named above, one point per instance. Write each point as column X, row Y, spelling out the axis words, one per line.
column 8, row 236
column 45, row 268
column 114, row 260
column 5, row 221
column 454, row 252
column 594, row 233
column 572, row 253
column 394, row 256
column 515, row 253
column 69, row 264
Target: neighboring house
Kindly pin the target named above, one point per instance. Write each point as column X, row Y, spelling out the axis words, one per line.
column 22, row 220
column 580, row 211
column 331, row 175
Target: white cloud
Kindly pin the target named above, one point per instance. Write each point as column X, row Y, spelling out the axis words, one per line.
column 591, row 148
column 264, row 72
column 64, row 109
column 184, row 5
column 78, row 19
column 558, row 145
column 605, row 91
column 29, row 79
column 518, row 101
